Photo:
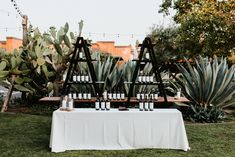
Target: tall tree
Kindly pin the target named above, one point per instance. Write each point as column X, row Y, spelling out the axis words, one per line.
column 206, row 26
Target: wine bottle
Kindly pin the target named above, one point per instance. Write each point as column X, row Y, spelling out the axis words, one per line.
column 156, row 95
column 142, row 95
column 102, row 104
column 146, row 104
column 122, row 94
column 151, row 103
column 70, row 95
column 146, row 94
column 147, row 78
column 140, row 76
column 118, row 94
column 80, row 94
column 82, row 77
column 105, row 95
column 78, row 77
column 74, row 95
column 74, row 78
column 144, row 78
column 141, row 105
column 86, row 77
column 138, row 95
column 107, row 104
column 152, row 93
column 64, row 103
column 151, row 77
column 97, row 102
column 147, row 55
column 85, row 95
column 110, row 95
column 114, row 95
column 80, row 55
column 89, row 95
column 70, row 104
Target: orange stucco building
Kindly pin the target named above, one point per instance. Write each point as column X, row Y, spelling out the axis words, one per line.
column 10, row 44
column 125, row 52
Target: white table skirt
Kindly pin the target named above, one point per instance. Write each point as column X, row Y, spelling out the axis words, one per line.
column 87, row 129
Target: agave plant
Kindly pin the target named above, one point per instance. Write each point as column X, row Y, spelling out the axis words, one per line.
column 209, row 83
column 103, row 68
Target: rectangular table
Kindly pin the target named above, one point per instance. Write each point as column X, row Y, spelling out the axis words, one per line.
column 88, row 129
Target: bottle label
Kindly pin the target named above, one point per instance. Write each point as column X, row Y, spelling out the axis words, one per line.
column 142, row 96
column 82, row 78
column 147, row 96
column 122, row 96
column 87, row 78
column 97, row 105
column 89, row 96
column 84, row 95
column 141, row 106
column 110, row 96
column 147, row 56
column 140, row 78
column 70, row 107
column 80, row 96
column 146, row 106
column 138, row 96
column 105, row 95
column 103, row 105
column 147, row 79
column 78, row 78
column 150, row 78
column 80, row 55
column 144, row 79
column 64, row 104
column 118, row 96
column 74, row 96
column 108, row 105
column 151, row 106
column 155, row 96
column 74, row 78
column 114, row 96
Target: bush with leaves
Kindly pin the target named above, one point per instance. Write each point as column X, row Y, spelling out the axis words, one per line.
column 210, row 85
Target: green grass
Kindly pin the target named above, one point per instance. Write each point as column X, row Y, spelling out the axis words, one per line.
column 28, row 135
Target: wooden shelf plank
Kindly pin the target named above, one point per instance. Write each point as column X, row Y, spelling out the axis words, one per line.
column 132, row 100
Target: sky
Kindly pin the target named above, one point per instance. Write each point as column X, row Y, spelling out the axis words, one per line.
column 122, row 21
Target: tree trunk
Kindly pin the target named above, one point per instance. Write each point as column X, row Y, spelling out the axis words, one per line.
column 8, row 96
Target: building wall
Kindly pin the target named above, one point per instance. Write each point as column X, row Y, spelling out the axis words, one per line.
column 109, row 47
column 10, row 44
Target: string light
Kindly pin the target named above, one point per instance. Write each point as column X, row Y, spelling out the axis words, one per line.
column 19, row 11
column 118, row 35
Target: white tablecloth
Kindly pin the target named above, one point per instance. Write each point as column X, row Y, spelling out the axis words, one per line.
column 87, row 129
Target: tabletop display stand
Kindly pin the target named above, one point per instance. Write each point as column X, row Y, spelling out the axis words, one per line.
column 147, row 45
column 81, row 46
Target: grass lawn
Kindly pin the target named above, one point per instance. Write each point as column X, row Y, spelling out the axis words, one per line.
column 28, row 135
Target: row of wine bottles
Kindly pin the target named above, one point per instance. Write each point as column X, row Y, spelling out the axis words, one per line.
column 102, row 103
column 80, row 95
column 144, row 95
column 81, row 78
column 145, row 78
column 115, row 95
column 146, row 105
